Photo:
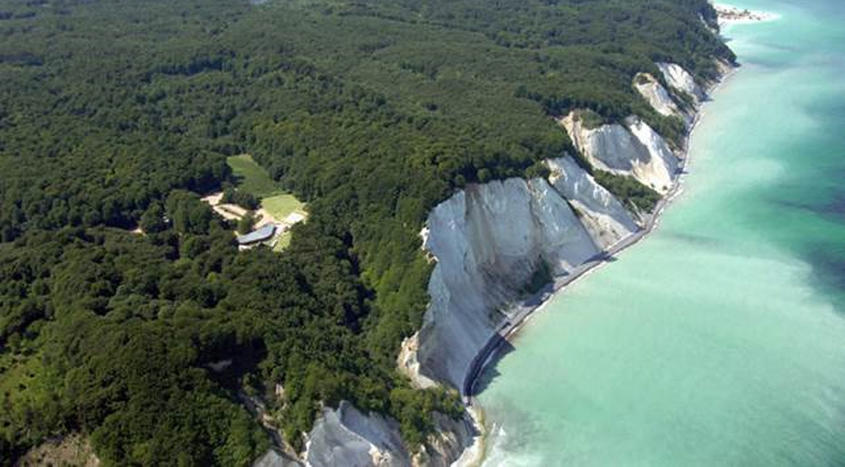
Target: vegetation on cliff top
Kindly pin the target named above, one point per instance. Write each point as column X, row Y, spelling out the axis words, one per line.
column 118, row 113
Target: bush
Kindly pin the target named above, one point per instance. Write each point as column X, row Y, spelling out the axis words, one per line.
column 246, row 223
column 241, row 198
column 153, row 219
column 628, row 190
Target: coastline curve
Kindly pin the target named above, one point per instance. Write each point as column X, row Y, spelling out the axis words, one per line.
column 509, row 327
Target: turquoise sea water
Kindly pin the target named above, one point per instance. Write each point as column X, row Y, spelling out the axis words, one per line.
column 720, row 339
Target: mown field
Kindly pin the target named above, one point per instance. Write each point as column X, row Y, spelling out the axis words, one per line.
column 280, row 206
column 251, row 177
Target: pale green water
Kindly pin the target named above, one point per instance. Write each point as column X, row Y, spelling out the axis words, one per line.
column 720, row 339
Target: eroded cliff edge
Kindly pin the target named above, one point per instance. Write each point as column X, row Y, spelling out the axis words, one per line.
column 490, row 240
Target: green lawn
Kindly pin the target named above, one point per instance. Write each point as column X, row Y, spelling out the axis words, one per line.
column 252, row 178
column 280, row 206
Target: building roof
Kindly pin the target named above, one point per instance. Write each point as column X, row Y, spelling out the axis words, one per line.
column 294, row 218
column 259, row 235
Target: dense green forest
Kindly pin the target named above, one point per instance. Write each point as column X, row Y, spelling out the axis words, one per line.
column 115, row 114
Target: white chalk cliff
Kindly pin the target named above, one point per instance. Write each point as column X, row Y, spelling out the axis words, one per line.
column 633, row 149
column 347, row 437
column 681, row 79
column 602, row 214
column 489, row 240
column 656, row 95
column 659, row 98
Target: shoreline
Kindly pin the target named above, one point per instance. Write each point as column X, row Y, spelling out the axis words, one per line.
column 527, row 308
column 729, row 15
column 510, row 328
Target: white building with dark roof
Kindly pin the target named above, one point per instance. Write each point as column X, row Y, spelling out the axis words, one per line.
column 261, row 235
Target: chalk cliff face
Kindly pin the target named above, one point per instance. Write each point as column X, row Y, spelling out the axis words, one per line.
column 489, row 240
column 602, row 214
column 725, row 67
column 681, row 79
column 656, row 95
column 634, row 149
column 273, row 458
column 347, row 437
column 449, row 445
column 408, row 362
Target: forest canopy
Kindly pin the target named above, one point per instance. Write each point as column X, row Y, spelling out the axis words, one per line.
column 118, row 114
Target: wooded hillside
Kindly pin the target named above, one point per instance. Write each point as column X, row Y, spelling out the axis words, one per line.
column 372, row 111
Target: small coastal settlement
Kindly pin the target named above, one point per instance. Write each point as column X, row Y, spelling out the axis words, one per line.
column 277, row 211
column 731, row 14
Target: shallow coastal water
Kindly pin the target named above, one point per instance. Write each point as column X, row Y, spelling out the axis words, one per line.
column 720, row 339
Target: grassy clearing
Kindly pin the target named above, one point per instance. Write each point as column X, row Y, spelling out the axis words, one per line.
column 252, row 178
column 280, row 206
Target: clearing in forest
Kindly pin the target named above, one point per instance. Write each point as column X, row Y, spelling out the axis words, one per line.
column 282, row 206
column 252, row 178
column 277, row 207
